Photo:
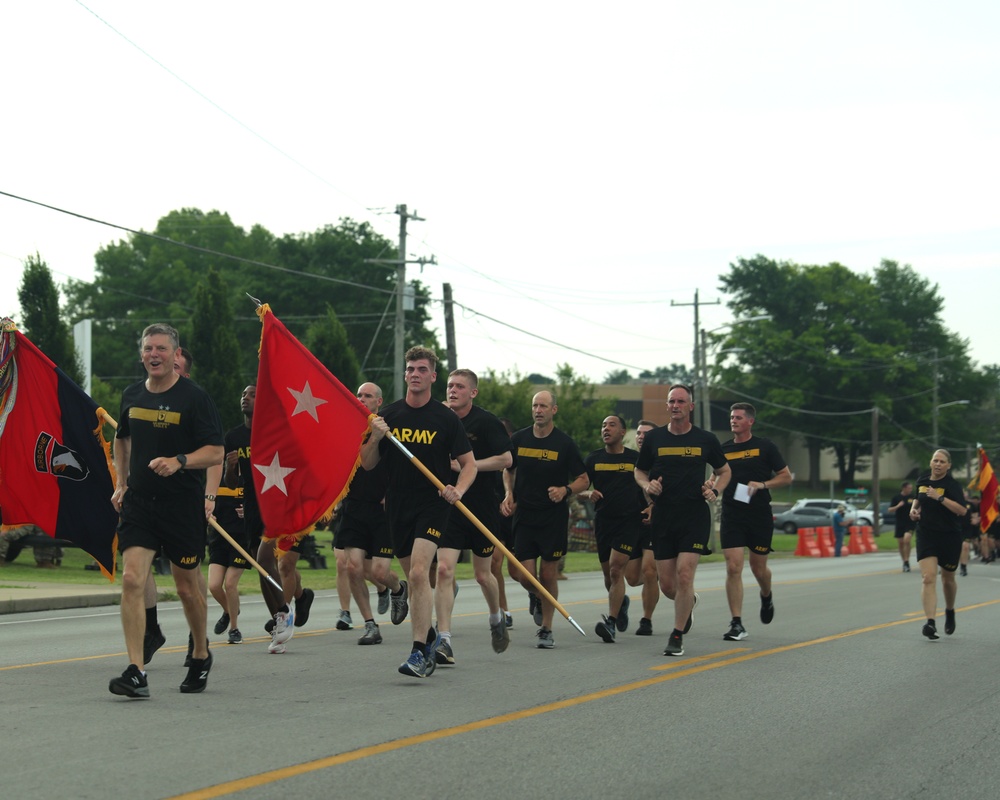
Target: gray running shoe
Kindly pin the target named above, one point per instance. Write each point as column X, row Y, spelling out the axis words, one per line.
column 344, row 622
column 508, row 619
column 606, row 630
column 235, row 637
column 499, row 637
column 400, row 608
column 383, row 601
column 443, row 654
column 372, row 634
column 545, row 640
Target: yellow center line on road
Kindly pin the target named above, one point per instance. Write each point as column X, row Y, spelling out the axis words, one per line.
column 693, row 666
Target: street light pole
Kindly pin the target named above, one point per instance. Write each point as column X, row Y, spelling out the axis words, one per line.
column 936, row 413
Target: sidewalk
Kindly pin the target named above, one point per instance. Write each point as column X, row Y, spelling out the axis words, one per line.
column 19, row 596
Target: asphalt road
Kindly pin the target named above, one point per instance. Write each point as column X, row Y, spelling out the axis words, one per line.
column 839, row 697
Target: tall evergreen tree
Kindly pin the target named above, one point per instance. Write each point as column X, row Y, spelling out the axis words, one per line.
column 215, row 349
column 327, row 340
column 42, row 322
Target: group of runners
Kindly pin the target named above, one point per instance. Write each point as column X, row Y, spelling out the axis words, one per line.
column 652, row 522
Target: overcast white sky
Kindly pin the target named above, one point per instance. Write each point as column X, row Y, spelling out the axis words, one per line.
column 579, row 164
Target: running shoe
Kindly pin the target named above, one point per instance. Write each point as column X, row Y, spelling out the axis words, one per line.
column 372, row 635
column 344, row 622
column 418, row 665
column 675, row 645
column 275, row 646
column 535, row 608
column 131, row 683
column 690, row 619
column 736, row 632
column 930, row 630
column 621, row 621
column 152, row 642
column 302, row 606
column 545, row 640
column 767, row 609
column 197, row 677
column 235, row 637
column 949, row 621
column 400, row 608
column 499, row 637
column 222, row 624
column 645, row 627
column 284, row 622
column 508, row 619
column 906, row 566
column 383, row 601
column 443, row 654
column 963, row 570
column 606, row 629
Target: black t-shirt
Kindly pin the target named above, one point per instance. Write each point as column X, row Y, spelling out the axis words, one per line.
column 613, row 475
column 488, row 438
column 238, row 439
column 162, row 425
column 554, row 460
column 367, row 487
column 756, row 459
column 903, row 521
column 934, row 517
column 432, row 433
column 680, row 460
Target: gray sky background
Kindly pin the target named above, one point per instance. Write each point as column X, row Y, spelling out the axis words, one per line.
column 579, row 165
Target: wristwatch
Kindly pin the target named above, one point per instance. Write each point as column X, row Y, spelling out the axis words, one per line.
column 182, row 459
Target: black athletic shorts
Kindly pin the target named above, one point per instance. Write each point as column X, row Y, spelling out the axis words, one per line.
column 547, row 539
column 945, row 547
column 462, row 534
column 175, row 522
column 745, row 528
column 419, row 522
column 363, row 525
column 681, row 529
column 618, row 533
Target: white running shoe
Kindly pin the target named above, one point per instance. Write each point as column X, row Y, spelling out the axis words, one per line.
column 284, row 626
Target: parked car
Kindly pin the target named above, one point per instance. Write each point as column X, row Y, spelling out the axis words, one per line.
column 850, row 515
column 803, row 517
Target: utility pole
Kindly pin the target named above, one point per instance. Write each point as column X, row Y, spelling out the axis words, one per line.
column 449, row 328
column 398, row 388
column 701, row 374
column 876, row 477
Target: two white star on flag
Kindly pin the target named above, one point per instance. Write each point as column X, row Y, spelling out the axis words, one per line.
column 274, row 475
column 306, row 402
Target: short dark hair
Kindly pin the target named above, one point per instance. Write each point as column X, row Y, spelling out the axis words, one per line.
column 418, row 352
column 648, row 422
column 187, row 356
column 751, row 411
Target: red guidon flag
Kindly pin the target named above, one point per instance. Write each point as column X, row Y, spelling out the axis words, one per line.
column 987, row 493
column 55, row 465
column 306, row 435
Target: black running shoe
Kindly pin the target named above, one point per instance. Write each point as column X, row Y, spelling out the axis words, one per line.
column 621, row 621
column 949, row 621
column 197, row 677
column 645, row 627
column 302, row 606
column 675, row 645
column 930, row 630
column 606, row 630
column 131, row 683
column 222, row 624
column 767, row 609
column 152, row 642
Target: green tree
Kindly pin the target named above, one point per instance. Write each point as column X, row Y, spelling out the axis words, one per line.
column 42, row 322
column 675, row 373
column 837, row 344
column 327, row 340
column 580, row 411
column 617, row 376
column 215, row 348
